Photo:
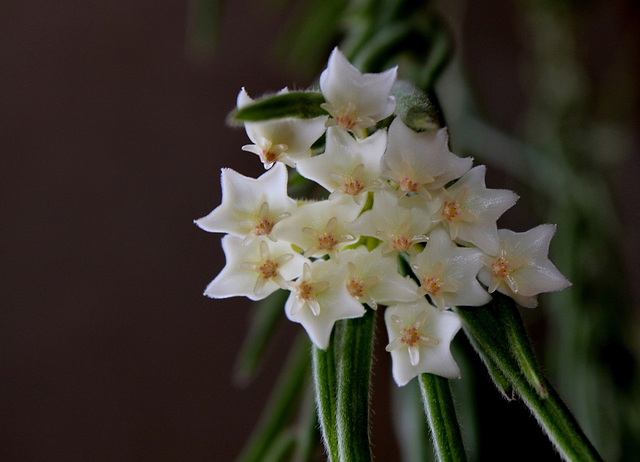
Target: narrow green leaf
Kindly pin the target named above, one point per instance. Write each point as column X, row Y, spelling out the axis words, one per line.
column 298, row 104
column 324, row 378
column 267, row 313
column 507, row 312
column 501, row 382
column 441, row 415
column 281, row 404
column 353, row 367
column 484, row 328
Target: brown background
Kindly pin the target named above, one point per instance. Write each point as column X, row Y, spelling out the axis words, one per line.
column 111, row 145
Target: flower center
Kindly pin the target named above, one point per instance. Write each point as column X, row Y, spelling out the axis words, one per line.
column 356, row 287
column 263, row 227
column 411, row 336
column 408, row 185
column 501, row 268
column 304, row 291
column 268, row 269
column 431, row 285
column 352, row 186
column 450, row 210
column 401, row 243
column 326, row 242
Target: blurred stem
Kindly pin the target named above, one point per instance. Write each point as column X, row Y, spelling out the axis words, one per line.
column 264, row 320
column 279, row 408
column 441, row 415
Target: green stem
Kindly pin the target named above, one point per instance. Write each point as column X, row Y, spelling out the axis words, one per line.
column 324, row 378
column 551, row 413
column 441, row 415
column 353, row 367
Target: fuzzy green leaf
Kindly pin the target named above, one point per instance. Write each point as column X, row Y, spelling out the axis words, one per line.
column 298, row 104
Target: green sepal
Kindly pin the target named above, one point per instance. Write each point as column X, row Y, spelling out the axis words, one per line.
column 415, row 108
column 297, row 104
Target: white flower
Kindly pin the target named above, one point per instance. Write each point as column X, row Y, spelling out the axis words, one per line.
column 400, row 222
column 250, row 207
column 420, row 162
column 469, row 210
column 319, row 298
column 521, row 268
column 447, row 273
column 254, row 270
column 355, row 100
column 373, row 278
column 284, row 140
column 347, row 167
column 318, row 228
column 419, row 340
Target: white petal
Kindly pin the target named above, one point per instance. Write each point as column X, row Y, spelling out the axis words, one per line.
column 335, row 303
column 434, row 359
column 426, row 152
column 342, row 154
column 236, row 281
column 341, row 83
column 242, row 198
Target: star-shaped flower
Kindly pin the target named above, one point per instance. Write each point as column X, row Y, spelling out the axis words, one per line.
column 250, row 207
column 420, row 162
column 419, row 340
column 469, row 210
column 355, row 100
column 319, row 298
column 521, row 268
column 400, row 222
column 319, row 228
column 347, row 167
column 284, row 140
column 373, row 278
column 447, row 273
column 254, row 270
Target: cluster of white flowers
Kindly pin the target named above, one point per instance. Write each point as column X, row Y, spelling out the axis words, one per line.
column 393, row 192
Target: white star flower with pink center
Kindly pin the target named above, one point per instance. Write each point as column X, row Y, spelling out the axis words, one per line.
column 284, row 140
column 356, row 101
column 250, row 207
column 469, row 210
column 254, row 270
column 347, row 167
column 319, row 298
column 319, row 228
column 447, row 273
column 400, row 222
column 420, row 162
column 419, row 340
column 373, row 278
column 521, row 268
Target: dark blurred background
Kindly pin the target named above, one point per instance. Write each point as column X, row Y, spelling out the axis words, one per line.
column 112, row 137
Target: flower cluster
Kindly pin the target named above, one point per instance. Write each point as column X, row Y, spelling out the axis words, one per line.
column 399, row 201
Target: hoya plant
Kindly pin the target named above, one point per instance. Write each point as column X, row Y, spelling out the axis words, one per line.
column 398, row 226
